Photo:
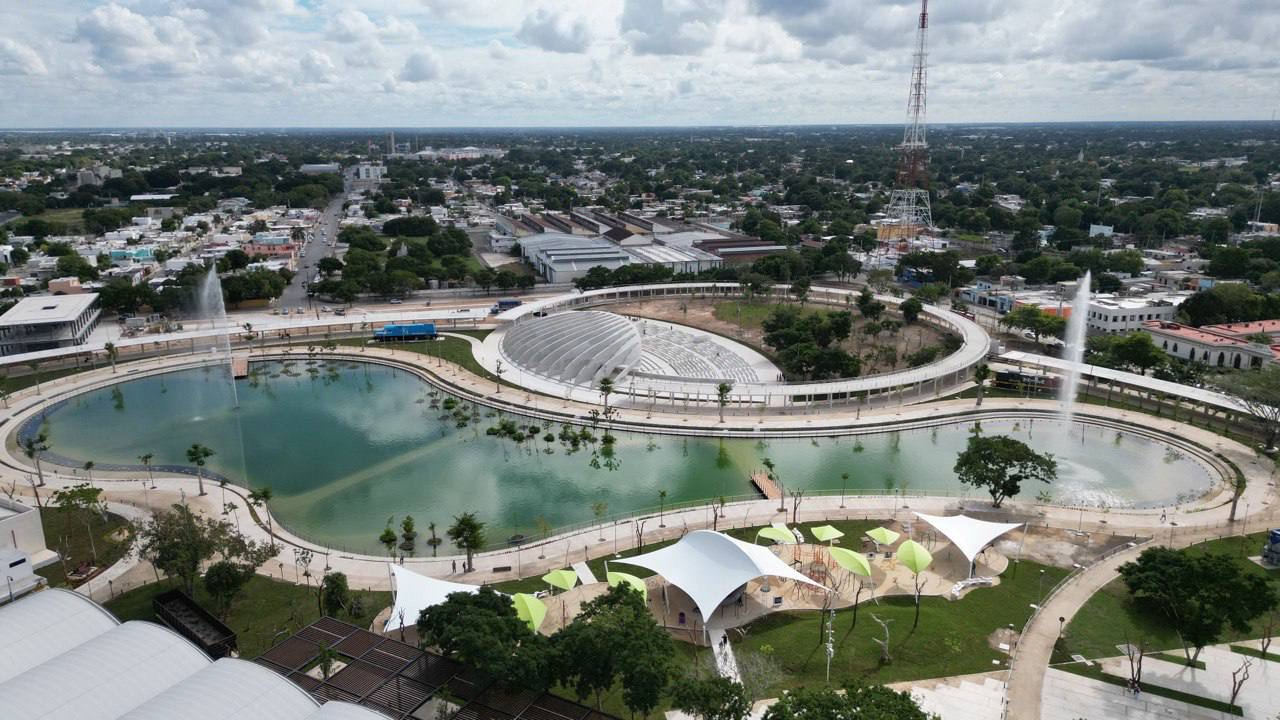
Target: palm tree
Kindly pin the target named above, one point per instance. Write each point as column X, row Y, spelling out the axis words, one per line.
column 88, row 470
column 388, row 538
column 773, row 475
column 980, row 375
column 606, row 389
column 327, row 657
column 146, row 459
column 35, row 370
column 468, row 534
column 722, row 396
column 113, row 352
column 198, row 454
column 662, row 506
column 32, row 447
column 258, row 498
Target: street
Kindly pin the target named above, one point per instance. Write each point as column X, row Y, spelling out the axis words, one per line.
column 316, row 246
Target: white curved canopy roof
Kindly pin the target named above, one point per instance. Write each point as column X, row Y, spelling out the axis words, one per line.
column 574, row 347
column 46, row 624
column 415, row 593
column 105, row 677
column 968, row 534
column 709, row 566
column 229, row 689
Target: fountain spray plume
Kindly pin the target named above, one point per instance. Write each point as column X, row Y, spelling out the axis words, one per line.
column 1074, row 351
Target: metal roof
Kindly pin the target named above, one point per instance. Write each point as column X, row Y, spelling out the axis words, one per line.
column 231, row 689
column 46, row 309
column 46, row 624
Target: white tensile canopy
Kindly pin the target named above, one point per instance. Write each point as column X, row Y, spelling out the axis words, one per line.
column 968, row 534
column 708, row 566
column 415, row 593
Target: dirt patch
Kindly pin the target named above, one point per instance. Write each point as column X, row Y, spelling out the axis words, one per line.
column 1007, row 637
column 1060, row 547
column 883, row 353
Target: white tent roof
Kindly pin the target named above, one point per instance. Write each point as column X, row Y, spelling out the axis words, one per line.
column 709, row 566
column 969, row 534
column 46, row 624
column 415, row 592
column 229, row 689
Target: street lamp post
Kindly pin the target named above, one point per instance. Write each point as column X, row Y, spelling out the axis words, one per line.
column 1040, row 589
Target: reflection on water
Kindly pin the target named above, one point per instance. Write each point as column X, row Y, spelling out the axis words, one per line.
column 344, row 446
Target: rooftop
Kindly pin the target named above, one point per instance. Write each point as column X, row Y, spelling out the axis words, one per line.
column 47, row 309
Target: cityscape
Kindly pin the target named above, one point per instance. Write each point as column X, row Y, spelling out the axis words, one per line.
column 681, row 359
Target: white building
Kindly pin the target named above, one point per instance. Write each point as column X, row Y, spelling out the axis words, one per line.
column 1109, row 315
column 48, row 322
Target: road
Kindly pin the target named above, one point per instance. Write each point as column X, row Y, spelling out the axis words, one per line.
column 315, row 247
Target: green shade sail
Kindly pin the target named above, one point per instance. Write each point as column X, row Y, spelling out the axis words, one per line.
column 852, row 561
column 825, row 533
column 621, row 578
column 785, row 537
column 563, row 579
column 914, row 556
column 883, row 536
column 529, row 609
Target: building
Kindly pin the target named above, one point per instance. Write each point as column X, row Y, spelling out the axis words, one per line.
column 562, row 258
column 679, row 259
column 48, row 322
column 1110, row 315
column 319, row 169
column 367, row 176
column 1235, row 345
column 20, row 530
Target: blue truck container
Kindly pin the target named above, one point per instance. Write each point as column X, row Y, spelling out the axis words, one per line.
column 504, row 305
column 408, row 331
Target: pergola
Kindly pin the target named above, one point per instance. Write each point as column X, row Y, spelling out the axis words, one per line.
column 709, row 566
column 970, row 535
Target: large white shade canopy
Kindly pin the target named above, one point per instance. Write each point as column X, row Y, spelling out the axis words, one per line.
column 415, row 593
column 968, row 534
column 708, row 566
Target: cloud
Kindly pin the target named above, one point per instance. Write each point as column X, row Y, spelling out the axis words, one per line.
column 135, row 46
column 670, row 27
column 19, row 59
column 350, row 25
column 421, row 66
column 318, row 68
column 555, row 33
column 498, row 51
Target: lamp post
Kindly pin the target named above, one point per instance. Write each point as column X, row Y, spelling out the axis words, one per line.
column 1040, row 589
column 1062, row 621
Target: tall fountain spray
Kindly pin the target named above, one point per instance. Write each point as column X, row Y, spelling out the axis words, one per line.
column 1074, row 351
column 210, row 312
column 210, row 308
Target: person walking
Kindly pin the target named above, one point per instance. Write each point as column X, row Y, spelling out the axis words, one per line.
column 455, row 567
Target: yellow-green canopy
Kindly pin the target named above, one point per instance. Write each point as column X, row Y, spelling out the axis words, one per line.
column 914, row 556
column 825, row 533
column 852, row 561
column 529, row 609
column 883, row 536
column 563, row 579
column 777, row 535
column 621, row 578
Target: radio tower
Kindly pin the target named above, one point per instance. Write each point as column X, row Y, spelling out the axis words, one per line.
column 909, row 213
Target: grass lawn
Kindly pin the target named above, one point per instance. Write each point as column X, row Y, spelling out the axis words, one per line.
column 73, row 218
column 953, row 638
column 1110, row 618
column 752, row 313
column 265, row 611
column 65, row 533
column 14, row 383
column 454, row 350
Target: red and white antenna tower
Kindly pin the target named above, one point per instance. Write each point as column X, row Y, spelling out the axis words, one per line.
column 908, row 211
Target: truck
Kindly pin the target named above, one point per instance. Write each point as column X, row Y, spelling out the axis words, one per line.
column 405, row 332
column 503, row 305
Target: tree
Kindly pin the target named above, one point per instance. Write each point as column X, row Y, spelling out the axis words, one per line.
column 1259, row 391
column 178, row 542
column 198, row 455
column 481, row 629
column 722, row 396
column 32, row 447
column 911, row 309
column 146, row 459
column 388, row 539
column 874, row 702
column 409, row 533
column 713, row 698
column 83, row 502
column 112, row 352
column 329, row 265
column 258, row 498
column 223, row 580
column 981, row 373
column 1000, row 463
column 1199, row 594
column 615, row 638
column 606, row 389
column 335, row 595
column 467, row 533
column 1035, row 320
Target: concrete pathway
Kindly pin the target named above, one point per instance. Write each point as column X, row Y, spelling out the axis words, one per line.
column 726, row 663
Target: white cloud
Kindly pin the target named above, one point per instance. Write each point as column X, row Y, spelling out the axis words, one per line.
column 421, row 66
column 554, row 32
column 670, row 27
column 135, row 46
column 318, row 68
column 19, row 59
column 498, row 51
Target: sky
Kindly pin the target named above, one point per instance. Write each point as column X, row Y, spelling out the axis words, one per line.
column 505, row 63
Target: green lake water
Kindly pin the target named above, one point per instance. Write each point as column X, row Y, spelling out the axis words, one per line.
column 345, row 446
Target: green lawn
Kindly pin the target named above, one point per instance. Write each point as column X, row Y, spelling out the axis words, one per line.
column 73, row 218
column 752, row 313
column 454, row 350
column 265, row 612
column 1110, row 618
column 953, row 638
column 14, row 383
column 67, row 534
